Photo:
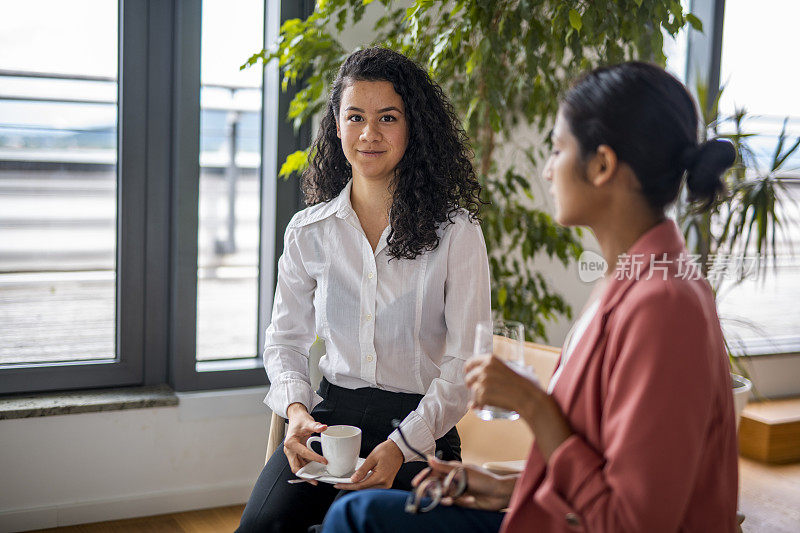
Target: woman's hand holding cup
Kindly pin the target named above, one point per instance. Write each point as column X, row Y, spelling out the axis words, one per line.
column 301, row 426
column 384, row 462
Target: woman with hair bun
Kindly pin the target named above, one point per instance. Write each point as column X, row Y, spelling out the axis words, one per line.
column 388, row 267
column 636, row 429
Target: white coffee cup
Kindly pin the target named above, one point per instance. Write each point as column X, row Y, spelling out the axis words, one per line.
column 340, row 446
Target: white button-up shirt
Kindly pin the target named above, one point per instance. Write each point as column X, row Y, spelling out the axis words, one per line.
column 401, row 325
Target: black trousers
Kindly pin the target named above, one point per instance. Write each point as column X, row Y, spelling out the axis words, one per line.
column 275, row 505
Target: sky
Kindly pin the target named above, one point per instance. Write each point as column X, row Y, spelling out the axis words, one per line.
column 759, row 57
column 80, row 37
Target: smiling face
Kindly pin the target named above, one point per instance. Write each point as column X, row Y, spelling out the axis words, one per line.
column 373, row 128
column 574, row 194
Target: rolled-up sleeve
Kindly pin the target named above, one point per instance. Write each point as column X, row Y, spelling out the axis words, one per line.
column 467, row 302
column 291, row 332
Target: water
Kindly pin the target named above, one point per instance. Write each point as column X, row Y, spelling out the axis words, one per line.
column 490, row 412
column 496, row 413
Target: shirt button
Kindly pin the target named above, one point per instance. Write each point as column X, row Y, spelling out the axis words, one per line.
column 369, row 358
column 370, row 275
column 572, row 519
column 369, row 317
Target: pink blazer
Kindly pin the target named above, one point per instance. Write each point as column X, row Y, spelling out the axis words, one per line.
column 647, row 392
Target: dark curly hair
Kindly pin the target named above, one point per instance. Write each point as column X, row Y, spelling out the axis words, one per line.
column 433, row 179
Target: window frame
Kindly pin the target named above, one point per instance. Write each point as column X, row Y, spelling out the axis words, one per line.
column 280, row 199
column 704, row 49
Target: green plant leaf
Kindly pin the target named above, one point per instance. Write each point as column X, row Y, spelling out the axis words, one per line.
column 295, row 162
column 502, row 296
column 696, row 23
column 575, row 19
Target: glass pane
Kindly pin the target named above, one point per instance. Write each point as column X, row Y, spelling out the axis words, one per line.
column 676, row 48
column 757, row 77
column 58, row 156
column 230, row 160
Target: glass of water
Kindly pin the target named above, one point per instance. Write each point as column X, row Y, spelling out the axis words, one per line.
column 505, row 339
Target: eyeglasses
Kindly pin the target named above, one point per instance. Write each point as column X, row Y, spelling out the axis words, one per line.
column 433, row 490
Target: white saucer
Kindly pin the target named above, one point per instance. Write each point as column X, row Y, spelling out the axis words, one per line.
column 314, row 469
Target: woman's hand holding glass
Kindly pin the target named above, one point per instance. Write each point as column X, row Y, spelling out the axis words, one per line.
column 504, row 342
column 494, row 383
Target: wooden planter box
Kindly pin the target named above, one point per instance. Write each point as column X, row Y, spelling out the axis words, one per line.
column 770, row 431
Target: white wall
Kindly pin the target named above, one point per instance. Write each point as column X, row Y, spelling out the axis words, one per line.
column 80, row 468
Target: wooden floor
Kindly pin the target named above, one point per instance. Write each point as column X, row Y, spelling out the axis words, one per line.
column 769, row 499
column 219, row 520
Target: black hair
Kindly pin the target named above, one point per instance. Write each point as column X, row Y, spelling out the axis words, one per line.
column 650, row 120
column 433, row 179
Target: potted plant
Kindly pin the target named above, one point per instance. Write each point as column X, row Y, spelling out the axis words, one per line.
column 744, row 225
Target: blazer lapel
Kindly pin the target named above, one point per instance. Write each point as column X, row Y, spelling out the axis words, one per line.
column 571, row 380
column 570, row 383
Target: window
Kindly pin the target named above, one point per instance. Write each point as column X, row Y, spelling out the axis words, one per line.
column 743, row 49
column 137, row 192
column 61, row 224
column 230, row 197
column 58, row 187
column 675, row 49
column 755, row 75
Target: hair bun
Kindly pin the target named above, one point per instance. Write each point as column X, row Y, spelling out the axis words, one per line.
column 704, row 166
column 689, row 156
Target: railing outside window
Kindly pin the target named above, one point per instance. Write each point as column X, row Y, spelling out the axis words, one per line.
column 57, row 216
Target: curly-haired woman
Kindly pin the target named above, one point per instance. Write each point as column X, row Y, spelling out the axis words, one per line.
column 388, row 267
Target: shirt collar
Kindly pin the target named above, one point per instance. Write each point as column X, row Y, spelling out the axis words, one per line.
column 341, row 204
column 344, row 209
